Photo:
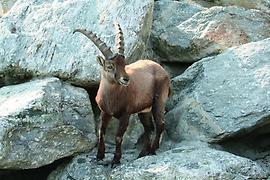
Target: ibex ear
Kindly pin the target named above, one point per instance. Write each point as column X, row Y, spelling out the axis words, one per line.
column 100, row 60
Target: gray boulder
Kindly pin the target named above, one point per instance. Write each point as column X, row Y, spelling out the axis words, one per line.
column 188, row 161
column 37, row 39
column 222, row 96
column 85, row 167
column 42, row 121
column 263, row 5
column 167, row 16
column 210, row 32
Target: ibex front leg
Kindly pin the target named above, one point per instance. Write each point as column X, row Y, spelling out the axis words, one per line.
column 105, row 118
column 123, row 124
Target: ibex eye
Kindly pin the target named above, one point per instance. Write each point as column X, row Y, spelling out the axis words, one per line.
column 110, row 67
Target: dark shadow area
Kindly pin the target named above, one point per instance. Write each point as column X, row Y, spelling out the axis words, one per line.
column 175, row 68
column 258, row 138
column 92, row 92
column 32, row 174
column 255, row 145
column 14, row 76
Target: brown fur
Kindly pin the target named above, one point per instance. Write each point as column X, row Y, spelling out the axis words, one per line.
column 142, row 87
column 148, row 88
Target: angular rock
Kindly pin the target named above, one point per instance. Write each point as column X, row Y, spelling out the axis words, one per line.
column 210, row 32
column 37, row 39
column 167, row 16
column 188, row 161
column 86, row 167
column 263, row 5
column 42, row 121
column 191, row 162
column 254, row 145
column 223, row 96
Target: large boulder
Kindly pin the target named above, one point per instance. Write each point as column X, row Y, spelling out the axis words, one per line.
column 263, row 5
column 167, row 16
column 188, row 161
column 42, row 121
column 209, row 32
column 223, row 96
column 36, row 37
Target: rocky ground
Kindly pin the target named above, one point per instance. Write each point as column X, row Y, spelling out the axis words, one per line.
column 217, row 121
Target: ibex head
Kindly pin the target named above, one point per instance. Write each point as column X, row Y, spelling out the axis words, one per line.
column 113, row 64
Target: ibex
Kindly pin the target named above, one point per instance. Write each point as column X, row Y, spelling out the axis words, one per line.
column 141, row 87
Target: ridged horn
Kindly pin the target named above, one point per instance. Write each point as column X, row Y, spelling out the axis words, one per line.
column 119, row 39
column 104, row 49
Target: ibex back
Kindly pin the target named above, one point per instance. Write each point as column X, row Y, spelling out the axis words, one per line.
column 141, row 87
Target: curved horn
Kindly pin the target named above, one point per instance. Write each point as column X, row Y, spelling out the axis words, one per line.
column 119, row 39
column 106, row 51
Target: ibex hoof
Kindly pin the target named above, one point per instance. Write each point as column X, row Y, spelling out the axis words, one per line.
column 142, row 154
column 115, row 163
column 94, row 160
column 100, row 157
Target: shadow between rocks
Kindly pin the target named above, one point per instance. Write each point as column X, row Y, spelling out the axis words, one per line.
column 255, row 145
column 32, row 174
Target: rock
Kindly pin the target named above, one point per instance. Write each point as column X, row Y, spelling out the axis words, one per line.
column 188, row 161
column 223, row 96
column 42, row 121
column 85, row 167
column 210, row 32
column 167, row 16
column 263, row 5
column 254, row 145
column 37, row 39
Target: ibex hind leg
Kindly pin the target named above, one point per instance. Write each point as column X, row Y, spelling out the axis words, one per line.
column 158, row 114
column 146, row 120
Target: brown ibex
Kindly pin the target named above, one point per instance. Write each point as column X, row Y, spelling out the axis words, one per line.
column 141, row 87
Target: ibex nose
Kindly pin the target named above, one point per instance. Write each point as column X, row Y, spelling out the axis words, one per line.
column 124, row 80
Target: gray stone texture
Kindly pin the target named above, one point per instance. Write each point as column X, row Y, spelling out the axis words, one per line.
column 222, row 96
column 42, row 121
column 204, row 32
column 187, row 161
column 37, row 37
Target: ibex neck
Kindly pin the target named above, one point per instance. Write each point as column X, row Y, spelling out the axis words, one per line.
column 111, row 97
